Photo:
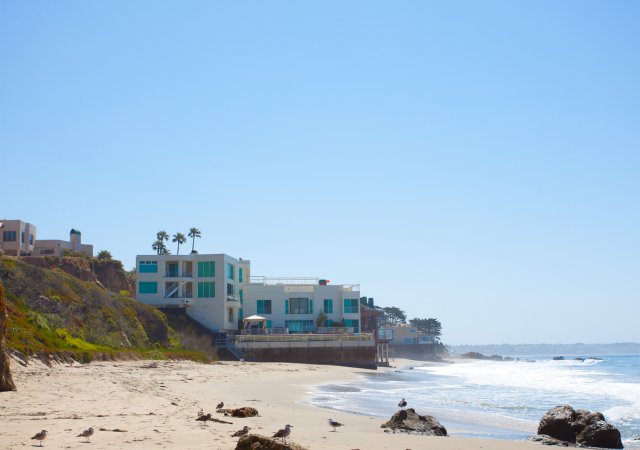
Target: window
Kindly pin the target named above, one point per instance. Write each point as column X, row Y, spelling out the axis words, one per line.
column 230, row 315
column 172, row 269
column 263, row 306
column 240, row 274
column 206, row 269
column 22, row 237
column 206, row 289
column 328, row 323
column 269, row 324
column 148, row 287
column 351, row 305
column 299, row 306
column 47, row 251
column 299, row 326
column 328, row 306
column 230, row 289
column 230, row 271
column 9, row 236
column 241, row 296
column 148, row 267
column 352, row 323
column 31, row 239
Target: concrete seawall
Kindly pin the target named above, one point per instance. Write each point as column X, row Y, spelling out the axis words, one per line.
column 363, row 357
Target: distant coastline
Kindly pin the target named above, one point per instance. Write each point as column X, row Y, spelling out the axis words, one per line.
column 578, row 349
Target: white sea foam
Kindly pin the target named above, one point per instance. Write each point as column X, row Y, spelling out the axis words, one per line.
column 546, row 376
column 498, row 399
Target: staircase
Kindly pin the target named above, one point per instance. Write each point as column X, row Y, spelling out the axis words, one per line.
column 227, row 344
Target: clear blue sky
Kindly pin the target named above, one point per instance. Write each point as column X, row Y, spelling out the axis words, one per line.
column 474, row 161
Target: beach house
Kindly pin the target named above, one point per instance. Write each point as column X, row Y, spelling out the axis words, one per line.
column 303, row 305
column 209, row 286
column 17, row 238
column 58, row 247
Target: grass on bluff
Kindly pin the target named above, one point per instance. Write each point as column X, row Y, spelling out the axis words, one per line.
column 52, row 312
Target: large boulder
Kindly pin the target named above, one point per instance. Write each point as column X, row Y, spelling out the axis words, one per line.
column 257, row 442
column 408, row 421
column 579, row 427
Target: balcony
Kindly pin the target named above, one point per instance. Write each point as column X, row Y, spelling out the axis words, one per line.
column 176, row 274
column 232, row 298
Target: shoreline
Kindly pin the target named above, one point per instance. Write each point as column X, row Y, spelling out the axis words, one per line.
column 157, row 406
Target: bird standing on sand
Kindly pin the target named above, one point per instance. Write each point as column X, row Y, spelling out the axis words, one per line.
column 86, row 433
column 283, row 433
column 204, row 418
column 200, row 413
column 220, row 405
column 245, row 430
column 335, row 424
column 402, row 403
column 40, row 436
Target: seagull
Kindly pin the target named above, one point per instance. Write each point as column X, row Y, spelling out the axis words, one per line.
column 40, row 436
column 283, row 433
column 220, row 405
column 245, row 430
column 204, row 418
column 86, row 433
column 335, row 424
column 402, row 403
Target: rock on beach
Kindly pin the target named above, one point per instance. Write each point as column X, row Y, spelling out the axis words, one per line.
column 408, row 421
column 579, row 427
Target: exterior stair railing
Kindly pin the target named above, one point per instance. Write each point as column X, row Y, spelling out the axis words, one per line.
column 229, row 345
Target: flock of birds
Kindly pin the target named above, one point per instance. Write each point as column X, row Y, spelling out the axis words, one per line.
column 282, row 433
column 43, row 435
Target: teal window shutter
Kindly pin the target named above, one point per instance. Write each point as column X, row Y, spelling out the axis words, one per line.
column 310, row 306
column 286, row 306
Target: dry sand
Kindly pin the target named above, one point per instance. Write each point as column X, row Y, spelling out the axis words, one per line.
column 157, row 406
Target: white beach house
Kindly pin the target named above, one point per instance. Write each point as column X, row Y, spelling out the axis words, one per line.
column 217, row 291
column 302, row 305
column 209, row 286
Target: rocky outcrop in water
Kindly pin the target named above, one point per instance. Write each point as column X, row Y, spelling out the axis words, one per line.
column 476, row 355
column 579, row 427
column 408, row 421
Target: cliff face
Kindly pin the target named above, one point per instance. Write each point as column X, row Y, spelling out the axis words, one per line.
column 58, row 304
column 112, row 275
column 106, row 273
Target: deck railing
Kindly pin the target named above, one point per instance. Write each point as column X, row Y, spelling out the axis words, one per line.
column 330, row 340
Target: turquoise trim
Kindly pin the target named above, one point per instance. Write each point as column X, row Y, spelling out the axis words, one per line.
column 206, row 289
column 148, row 267
column 148, row 287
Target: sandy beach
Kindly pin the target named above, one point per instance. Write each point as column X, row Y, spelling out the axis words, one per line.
column 156, row 403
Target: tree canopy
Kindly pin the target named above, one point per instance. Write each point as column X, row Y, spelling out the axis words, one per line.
column 394, row 315
column 429, row 326
column 104, row 254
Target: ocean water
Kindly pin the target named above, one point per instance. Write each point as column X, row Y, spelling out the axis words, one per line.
column 494, row 399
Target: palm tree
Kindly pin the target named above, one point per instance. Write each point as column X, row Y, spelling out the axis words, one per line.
column 180, row 239
column 193, row 234
column 162, row 235
column 158, row 246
